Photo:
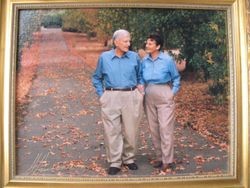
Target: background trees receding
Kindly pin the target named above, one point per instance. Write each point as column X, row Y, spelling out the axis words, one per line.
column 200, row 35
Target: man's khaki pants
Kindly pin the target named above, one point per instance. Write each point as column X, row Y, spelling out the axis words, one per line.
column 159, row 105
column 121, row 115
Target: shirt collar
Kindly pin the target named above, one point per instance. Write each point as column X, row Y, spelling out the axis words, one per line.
column 160, row 56
column 113, row 54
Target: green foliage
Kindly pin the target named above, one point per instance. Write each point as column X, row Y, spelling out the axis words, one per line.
column 219, row 89
column 76, row 21
column 53, row 19
column 199, row 34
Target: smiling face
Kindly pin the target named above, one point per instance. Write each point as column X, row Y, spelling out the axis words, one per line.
column 151, row 46
column 122, row 44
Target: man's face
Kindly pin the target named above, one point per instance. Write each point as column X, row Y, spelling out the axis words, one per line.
column 123, row 43
column 151, row 46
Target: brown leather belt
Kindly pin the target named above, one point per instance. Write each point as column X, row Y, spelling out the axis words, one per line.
column 121, row 89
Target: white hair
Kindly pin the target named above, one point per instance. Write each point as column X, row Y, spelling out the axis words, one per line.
column 120, row 33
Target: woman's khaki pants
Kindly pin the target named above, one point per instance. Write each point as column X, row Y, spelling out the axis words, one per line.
column 160, row 106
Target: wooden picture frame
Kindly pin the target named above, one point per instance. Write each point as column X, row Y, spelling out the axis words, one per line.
column 238, row 173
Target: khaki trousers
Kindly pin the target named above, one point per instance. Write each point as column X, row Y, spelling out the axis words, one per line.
column 121, row 115
column 160, row 106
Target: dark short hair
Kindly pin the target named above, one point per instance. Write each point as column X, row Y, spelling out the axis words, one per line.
column 157, row 38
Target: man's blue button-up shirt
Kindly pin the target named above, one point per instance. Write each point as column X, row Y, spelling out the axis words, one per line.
column 116, row 72
column 160, row 71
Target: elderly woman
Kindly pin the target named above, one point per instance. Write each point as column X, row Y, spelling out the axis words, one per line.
column 162, row 82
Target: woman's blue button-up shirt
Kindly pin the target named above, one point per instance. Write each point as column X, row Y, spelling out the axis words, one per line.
column 160, row 71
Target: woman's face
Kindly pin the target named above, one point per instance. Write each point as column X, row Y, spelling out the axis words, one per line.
column 151, row 46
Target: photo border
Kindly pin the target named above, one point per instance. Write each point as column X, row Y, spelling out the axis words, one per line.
column 237, row 45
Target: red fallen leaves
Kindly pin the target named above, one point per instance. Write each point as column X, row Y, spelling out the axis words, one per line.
column 48, row 91
column 37, row 138
column 27, row 69
column 97, row 168
column 44, row 114
column 77, row 164
column 224, row 146
column 87, row 50
column 84, row 112
column 199, row 159
column 196, row 109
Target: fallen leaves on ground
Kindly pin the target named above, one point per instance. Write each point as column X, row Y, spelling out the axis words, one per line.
column 67, row 143
column 196, row 109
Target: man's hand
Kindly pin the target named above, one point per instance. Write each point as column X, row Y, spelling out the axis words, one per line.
column 141, row 88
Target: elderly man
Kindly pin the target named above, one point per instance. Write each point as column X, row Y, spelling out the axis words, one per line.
column 116, row 79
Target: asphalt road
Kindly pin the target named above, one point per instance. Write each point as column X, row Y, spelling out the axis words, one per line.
column 59, row 131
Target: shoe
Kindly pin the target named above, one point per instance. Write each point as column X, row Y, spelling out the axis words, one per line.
column 157, row 164
column 170, row 166
column 131, row 166
column 113, row 170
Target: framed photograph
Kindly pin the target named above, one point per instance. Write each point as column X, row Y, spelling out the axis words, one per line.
column 51, row 126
